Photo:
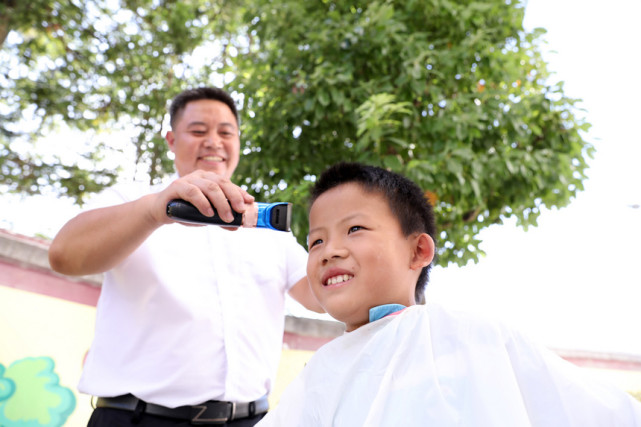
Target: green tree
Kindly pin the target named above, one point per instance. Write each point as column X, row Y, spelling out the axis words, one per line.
column 452, row 94
column 97, row 66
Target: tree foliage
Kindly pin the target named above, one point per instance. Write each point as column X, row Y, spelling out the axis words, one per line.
column 97, row 65
column 452, row 94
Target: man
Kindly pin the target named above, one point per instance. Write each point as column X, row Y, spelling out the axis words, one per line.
column 190, row 319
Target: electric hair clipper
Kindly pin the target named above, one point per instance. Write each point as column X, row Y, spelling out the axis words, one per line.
column 276, row 216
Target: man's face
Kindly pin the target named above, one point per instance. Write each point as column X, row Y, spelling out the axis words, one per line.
column 358, row 255
column 205, row 137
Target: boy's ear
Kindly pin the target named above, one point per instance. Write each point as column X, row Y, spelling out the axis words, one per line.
column 423, row 251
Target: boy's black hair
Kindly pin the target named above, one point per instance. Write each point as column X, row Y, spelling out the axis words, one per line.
column 182, row 99
column 406, row 200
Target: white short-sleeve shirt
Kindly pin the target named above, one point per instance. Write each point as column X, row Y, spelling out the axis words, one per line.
column 195, row 313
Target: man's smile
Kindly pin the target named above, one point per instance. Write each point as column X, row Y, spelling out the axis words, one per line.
column 212, row 158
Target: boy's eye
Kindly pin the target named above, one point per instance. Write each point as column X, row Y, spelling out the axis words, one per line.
column 315, row 242
column 355, row 228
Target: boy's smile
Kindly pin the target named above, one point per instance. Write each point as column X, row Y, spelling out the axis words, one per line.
column 335, row 277
column 358, row 255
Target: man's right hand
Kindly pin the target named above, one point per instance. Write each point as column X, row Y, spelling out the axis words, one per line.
column 203, row 189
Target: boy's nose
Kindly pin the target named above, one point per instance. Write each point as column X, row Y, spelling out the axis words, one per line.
column 334, row 251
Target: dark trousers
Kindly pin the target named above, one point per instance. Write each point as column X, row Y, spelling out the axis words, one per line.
column 108, row 417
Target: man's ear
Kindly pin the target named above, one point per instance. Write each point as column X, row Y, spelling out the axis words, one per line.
column 170, row 138
column 423, row 251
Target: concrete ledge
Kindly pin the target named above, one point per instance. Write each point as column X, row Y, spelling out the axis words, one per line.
column 32, row 252
column 595, row 359
column 313, row 327
column 26, row 251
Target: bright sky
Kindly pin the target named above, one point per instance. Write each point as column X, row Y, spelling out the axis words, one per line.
column 572, row 281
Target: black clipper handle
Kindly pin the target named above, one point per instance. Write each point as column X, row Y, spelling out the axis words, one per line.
column 184, row 211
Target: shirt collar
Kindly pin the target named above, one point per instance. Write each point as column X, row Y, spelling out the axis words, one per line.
column 376, row 313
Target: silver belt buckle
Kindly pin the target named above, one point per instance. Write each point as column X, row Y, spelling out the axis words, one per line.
column 203, row 415
column 233, row 411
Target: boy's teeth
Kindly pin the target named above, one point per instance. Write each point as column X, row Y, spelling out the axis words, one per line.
column 339, row 279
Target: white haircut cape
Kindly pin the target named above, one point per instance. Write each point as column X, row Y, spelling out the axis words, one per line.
column 431, row 367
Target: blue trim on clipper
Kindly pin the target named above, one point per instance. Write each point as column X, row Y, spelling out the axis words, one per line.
column 264, row 214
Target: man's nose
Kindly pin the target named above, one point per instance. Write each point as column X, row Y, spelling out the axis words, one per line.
column 213, row 141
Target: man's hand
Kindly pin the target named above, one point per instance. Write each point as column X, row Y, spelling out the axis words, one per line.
column 203, row 189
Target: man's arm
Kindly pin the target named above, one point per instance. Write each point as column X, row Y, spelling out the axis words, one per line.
column 302, row 293
column 97, row 240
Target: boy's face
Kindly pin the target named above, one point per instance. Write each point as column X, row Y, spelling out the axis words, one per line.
column 205, row 137
column 358, row 255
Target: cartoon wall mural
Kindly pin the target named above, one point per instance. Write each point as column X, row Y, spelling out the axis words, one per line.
column 31, row 396
column 43, row 344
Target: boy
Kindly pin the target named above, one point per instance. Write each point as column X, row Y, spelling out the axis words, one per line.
column 371, row 244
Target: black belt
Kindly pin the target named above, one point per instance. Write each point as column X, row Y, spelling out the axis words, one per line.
column 210, row 412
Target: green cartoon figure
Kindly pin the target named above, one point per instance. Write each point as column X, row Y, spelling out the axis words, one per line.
column 31, row 396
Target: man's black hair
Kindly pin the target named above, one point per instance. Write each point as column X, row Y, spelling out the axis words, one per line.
column 406, row 200
column 182, row 99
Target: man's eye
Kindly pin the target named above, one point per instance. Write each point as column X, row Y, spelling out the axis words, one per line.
column 198, row 132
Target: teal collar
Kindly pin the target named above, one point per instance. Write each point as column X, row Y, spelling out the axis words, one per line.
column 376, row 313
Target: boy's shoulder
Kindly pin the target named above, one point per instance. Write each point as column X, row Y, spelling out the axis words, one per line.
column 423, row 326
column 446, row 320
